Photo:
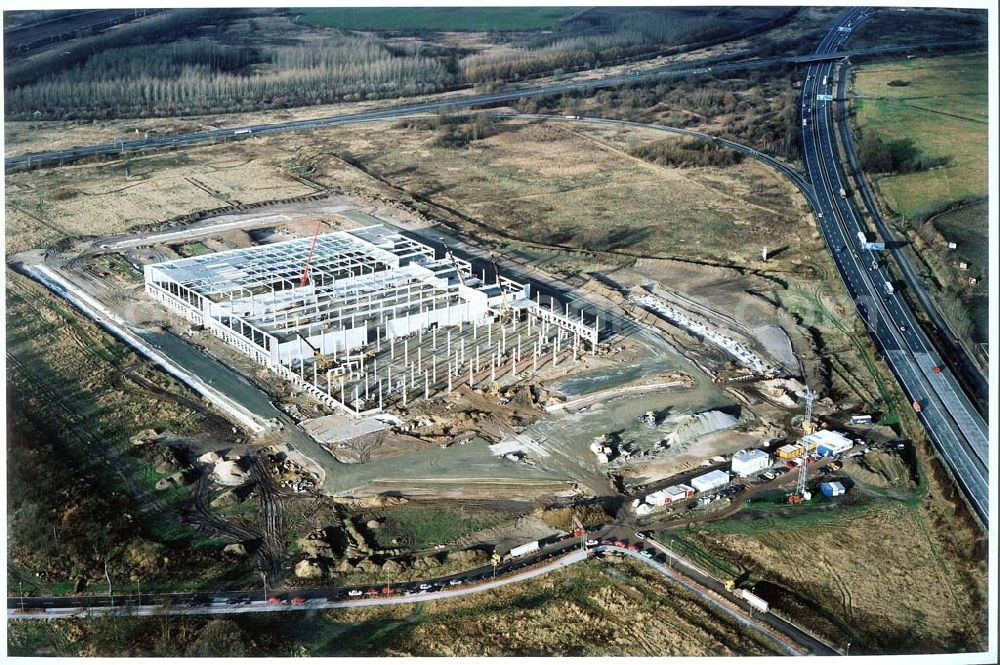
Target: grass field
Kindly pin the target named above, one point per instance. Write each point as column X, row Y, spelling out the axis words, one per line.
column 968, row 228
column 943, row 109
column 577, row 186
column 479, row 19
column 47, row 205
column 842, row 570
column 418, row 527
column 80, row 492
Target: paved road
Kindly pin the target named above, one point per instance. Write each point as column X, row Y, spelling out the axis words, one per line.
column 956, row 429
column 789, row 637
column 948, row 342
column 667, row 72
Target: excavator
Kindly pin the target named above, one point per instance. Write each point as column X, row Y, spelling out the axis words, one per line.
column 505, row 310
column 322, row 362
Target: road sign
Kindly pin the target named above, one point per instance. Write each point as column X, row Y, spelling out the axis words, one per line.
column 824, row 98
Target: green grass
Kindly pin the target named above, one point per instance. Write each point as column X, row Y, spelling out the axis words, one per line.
column 419, row 527
column 475, row 19
column 943, row 109
column 193, row 249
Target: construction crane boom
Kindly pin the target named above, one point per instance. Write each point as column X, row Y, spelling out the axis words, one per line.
column 321, row 360
column 505, row 306
column 454, row 262
column 305, row 269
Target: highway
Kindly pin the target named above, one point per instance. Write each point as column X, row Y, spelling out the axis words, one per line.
column 671, row 71
column 957, row 430
column 972, row 376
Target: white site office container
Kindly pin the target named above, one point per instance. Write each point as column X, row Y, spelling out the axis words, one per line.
column 710, row 481
column 748, row 462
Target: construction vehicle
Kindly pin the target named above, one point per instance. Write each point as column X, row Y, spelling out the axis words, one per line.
column 305, row 269
column 495, row 389
column 322, row 362
column 505, row 309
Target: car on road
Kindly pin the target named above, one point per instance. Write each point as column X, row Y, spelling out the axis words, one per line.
column 354, row 593
column 455, row 582
column 642, row 535
column 770, row 475
column 274, row 600
column 647, row 554
column 592, row 542
column 298, row 600
column 425, row 587
column 902, row 329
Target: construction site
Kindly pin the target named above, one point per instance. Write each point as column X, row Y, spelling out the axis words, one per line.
column 366, row 318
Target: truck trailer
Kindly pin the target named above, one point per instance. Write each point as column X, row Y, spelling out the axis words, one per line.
column 754, row 601
column 521, row 550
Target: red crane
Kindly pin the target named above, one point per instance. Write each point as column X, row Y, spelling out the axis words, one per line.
column 305, row 270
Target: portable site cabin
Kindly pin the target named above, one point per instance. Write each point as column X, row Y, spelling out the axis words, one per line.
column 748, row 462
column 678, row 493
column 659, row 498
column 710, row 481
column 831, row 489
column 828, row 443
column 789, row 451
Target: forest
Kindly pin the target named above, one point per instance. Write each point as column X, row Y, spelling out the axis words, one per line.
column 194, row 61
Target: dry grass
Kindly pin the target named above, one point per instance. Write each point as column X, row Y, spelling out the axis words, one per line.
column 885, row 577
column 98, row 199
column 944, row 110
column 590, row 610
column 577, row 186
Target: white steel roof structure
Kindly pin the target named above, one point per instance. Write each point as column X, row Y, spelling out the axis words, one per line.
column 362, row 285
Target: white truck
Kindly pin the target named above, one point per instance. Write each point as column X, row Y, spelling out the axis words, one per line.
column 521, row 550
column 888, row 288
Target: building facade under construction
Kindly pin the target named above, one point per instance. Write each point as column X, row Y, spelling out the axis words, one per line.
column 367, row 316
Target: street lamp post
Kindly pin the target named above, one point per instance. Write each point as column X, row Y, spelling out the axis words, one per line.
column 111, row 596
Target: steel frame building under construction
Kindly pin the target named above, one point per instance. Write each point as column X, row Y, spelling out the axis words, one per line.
column 314, row 310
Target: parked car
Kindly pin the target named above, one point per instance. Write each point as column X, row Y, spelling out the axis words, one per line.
column 354, row 593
